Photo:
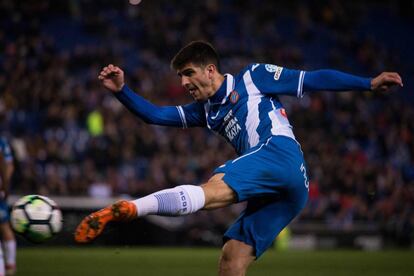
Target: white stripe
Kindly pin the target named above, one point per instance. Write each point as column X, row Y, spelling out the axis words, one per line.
column 182, row 116
column 230, row 85
column 252, row 119
column 206, row 110
column 300, row 84
column 250, row 153
column 280, row 124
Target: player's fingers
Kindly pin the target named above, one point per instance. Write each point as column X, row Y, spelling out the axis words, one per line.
column 399, row 78
column 102, row 74
column 113, row 68
column 108, row 69
column 395, row 76
column 397, row 81
column 116, row 69
column 392, row 79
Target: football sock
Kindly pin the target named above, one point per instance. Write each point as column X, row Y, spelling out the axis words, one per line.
column 178, row 201
column 10, row 252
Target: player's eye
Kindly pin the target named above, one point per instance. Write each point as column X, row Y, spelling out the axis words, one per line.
column 188, row 73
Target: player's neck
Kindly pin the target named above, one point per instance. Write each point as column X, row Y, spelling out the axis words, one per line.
column 217, row 82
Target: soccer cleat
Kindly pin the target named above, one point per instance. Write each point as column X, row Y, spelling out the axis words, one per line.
column 93, row 225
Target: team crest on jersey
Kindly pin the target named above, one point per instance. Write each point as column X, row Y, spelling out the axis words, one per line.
column 283, row 112
column 234, row 97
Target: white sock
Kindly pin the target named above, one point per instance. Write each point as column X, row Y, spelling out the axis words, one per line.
column 10, row 252
column 2, row 269
column 178, row 201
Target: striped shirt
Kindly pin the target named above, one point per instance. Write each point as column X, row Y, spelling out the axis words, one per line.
column 246, row 109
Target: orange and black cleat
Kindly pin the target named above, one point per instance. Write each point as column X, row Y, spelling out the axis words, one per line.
column 93, row 225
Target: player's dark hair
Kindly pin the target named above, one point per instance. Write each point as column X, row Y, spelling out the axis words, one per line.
column 199, row 53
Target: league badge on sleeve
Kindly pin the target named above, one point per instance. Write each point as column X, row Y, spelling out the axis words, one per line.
column 271, row 68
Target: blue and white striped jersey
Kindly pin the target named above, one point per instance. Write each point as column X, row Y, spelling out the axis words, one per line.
column 246, row 110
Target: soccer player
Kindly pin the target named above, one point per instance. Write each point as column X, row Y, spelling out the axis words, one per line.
column 8, row 240
column 270, row 172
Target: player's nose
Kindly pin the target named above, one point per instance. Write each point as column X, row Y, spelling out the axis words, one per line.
column 185, row 81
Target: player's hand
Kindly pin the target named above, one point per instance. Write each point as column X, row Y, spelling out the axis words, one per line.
column 385, row 81
column 112, row 77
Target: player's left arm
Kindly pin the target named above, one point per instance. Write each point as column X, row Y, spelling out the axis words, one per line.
column 276, row 80
column 333, row 80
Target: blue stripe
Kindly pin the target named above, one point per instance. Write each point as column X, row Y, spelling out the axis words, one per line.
column 166, row 204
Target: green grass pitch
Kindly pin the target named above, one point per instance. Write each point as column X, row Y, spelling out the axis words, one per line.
column 203, row 261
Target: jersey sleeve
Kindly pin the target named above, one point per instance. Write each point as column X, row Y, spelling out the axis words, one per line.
column 271, row 79
column 333, row 80
column 192, row 115
column 148, row 112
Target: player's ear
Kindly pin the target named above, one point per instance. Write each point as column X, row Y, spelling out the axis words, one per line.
column 211, row 69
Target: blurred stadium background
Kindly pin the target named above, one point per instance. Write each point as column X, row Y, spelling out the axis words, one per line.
column 76, row 144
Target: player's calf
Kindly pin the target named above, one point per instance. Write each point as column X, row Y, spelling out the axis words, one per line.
column 235, row 258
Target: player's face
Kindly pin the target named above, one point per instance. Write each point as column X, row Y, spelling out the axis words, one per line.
column 197, row 80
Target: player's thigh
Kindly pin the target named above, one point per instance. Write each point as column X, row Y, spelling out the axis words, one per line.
column 217, row 193
column 263, row 219
column 270, row 169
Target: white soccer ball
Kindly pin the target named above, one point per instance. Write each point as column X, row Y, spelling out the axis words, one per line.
column 36, row 217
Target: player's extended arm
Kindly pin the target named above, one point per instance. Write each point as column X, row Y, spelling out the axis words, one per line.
column 148, row 112
column 333, row 80
column 112, row 77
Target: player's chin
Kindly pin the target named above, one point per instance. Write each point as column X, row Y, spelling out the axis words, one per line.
column 199, row 99
column 195, row 97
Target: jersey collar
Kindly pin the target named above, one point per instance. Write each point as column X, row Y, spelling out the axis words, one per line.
column 225, row 89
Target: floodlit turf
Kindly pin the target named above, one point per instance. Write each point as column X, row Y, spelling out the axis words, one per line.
column 197, row 262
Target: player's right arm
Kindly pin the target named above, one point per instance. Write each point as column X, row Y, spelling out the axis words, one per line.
column 112, row 78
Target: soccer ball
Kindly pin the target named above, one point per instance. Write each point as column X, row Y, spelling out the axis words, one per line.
column 36, row 217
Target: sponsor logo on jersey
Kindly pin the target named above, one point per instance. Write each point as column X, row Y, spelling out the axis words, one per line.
column 234, row 97
column 278, row 72
column 232, row 127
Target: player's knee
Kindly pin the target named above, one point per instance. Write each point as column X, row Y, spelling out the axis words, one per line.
column 218, row 193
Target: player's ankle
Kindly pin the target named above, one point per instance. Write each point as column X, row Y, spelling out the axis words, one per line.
column 124, row 211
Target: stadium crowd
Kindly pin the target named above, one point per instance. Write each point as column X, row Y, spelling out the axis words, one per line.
column 70, row 137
